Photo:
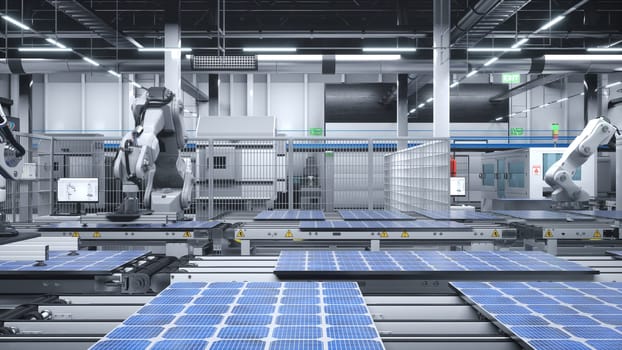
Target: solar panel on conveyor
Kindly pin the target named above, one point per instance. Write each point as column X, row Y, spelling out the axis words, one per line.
column 380, row 225
column 604, row 214
column 290, row 215
column 317, row 315
column 543, row 215
column 373, row 215
column 400, row 261
column 552, row 315
column 457, row 214
column 84, row 261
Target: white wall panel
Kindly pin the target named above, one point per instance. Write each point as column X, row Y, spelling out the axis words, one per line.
column 64, row 109
column 102, row 105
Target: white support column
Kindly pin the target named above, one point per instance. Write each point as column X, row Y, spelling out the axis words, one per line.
column 441, row 58
column 268, row 93
column 231, row 92
column 120, row 104
column 83, row 101
column 250, row 94
column 305, row 99
column 45, row 103
column 172, row 59
column 402, row 109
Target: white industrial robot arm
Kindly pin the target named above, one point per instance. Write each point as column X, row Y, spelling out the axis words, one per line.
column 11, row 155
column 559, row 176
column 158, row 123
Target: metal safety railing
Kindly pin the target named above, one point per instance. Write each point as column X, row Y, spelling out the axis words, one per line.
column 231, row 175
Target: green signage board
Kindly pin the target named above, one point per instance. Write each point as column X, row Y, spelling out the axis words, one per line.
column 510, row 78
column 316, row 132
column 517, row 131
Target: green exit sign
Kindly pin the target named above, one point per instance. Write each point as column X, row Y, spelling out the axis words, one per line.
column 316, row 132
column 510, row 78
column 517, row 131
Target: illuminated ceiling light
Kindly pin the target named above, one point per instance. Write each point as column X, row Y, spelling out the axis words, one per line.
column 553, row 22
column 562, row 100
column 520, row 43
column 494, row 49
column 499, row 119
column 55, row 43
column 421, row 105
column 136, row 85
column 16, row 22
column 429, row 100
column 43, row 49
column 456, row 83
column 114, row 73
column 472, row 73
column 613, row 84
column 91, row 61
column 583, row 57
column 299, row 58
column 367, row 57
column 389, row 49
column 164, row 49
column 491, row 61
column 134, row 42
column 604, row 49
column 269, row 49
column 412, row 110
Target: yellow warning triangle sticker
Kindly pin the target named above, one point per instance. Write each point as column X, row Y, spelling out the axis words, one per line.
column 384, row 234
column 495, row 234
column 597, row 234
column 240, row 234
column 548, row 234
column 289, row 234
column 96, row 234
column 187, row 234
column 405, row 234
column 75, row 234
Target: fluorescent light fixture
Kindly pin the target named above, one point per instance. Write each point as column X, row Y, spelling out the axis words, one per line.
column 269, row 49
column 43, row 49
column 613, row 84
column 499, row 119
column 520, row 43
column 429, row 100
column 412, row 110
column 494, row 49
column 472, row 73
column 114, row 73
column 604, row 49
column 16, row 22
column 583, row 57
column 553, row 22
column 491, row 61
column 135, row 84
column 55, row 43
column 562, row 100
column 164, row 49
column 456, row 83
column 367, row 57
column 421, row 105
column 525, row 110
column 91, row 61
column 389, row 49
column 298, row 58
column 134, row 42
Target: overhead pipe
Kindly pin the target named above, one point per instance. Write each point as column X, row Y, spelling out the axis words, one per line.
column 522, row 65
column 478, row 11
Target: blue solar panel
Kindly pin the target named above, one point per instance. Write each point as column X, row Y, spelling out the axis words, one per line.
column 381, row 225
column 604, row 214
column 107, row 227
column 544, row 215
column 457, row 214
column 417, row 261
column 290, row 215
column 288, row 315
column 373, row 215
column 581, row 321
column 85, row 261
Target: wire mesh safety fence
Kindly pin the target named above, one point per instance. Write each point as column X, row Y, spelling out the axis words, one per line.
column 231, row 175
column 417, row 178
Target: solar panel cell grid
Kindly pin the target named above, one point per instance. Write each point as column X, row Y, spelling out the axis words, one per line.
column 290, row 215
column 289, row 315
column 554, row 321
column 84, row 261
column 415, row 261
column 373, row 215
